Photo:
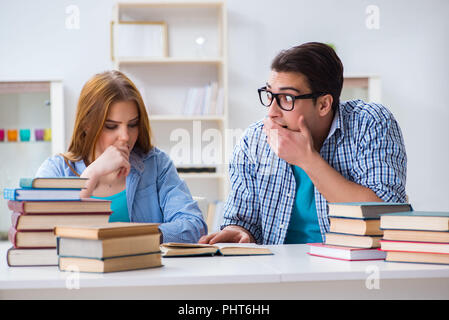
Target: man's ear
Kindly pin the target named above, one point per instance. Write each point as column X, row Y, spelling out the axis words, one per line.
column 325, row 104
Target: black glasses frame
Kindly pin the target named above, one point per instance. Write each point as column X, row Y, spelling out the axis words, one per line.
column 294, row 98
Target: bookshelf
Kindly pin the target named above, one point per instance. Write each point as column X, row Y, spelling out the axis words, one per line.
column 30, row 107
column 191, row 63
column 364, row 87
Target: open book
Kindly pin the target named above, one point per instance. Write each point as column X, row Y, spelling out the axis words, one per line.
column 174, row 249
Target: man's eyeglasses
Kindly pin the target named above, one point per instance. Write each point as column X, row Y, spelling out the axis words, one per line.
column 284, row 100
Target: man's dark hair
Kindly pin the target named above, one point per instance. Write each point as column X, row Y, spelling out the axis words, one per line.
column 319, row 63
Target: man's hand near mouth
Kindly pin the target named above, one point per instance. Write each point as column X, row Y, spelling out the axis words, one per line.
column 295, row 147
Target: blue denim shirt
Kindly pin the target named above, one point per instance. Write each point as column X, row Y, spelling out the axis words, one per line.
column 154, row 193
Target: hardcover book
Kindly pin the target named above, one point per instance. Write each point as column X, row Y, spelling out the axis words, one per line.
column 349, row 240
column 41, row 194
column 113, row 264
column 23, row 222
column 107, row 231
column 31, row 239
column 365, row 209
column 345, row 253
column 417, row 257
column 357, row 226
column 106, row 248
column 416, row 220
column 58, row 207
column 31, row 257
column 414, row 246
column 54, row 183
column 412, row 235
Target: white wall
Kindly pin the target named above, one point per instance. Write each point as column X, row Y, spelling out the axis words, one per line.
column 408, row 51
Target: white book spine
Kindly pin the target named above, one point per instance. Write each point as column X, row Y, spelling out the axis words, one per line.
column 220, row 102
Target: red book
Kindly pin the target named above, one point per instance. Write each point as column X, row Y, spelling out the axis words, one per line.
column 32, row 239
column 60, row 207
column 345, row 253
column 48, row 222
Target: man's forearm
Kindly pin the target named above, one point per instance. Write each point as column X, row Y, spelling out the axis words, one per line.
column 333, row 186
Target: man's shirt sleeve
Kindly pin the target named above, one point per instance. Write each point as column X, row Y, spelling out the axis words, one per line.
column 381, row 160
column 242, row 205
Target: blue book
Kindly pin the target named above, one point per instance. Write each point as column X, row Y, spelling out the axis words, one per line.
column 416, row 220
column 54, row 183
column 41, row 194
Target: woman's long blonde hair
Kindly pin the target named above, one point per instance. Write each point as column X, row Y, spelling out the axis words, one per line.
column 97, row 96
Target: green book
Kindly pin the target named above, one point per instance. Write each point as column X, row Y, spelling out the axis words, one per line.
column 416, row 220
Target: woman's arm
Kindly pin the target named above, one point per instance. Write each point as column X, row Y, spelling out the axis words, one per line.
column 114, row 158
column 51, row 167
column 183, row 220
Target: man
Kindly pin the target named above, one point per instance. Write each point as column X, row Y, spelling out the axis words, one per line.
column 309, row 150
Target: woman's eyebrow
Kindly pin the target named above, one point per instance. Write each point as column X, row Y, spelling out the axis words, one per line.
column 136, row 118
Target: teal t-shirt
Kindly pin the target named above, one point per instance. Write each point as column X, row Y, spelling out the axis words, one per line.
column 119, row 207
column 303, row 226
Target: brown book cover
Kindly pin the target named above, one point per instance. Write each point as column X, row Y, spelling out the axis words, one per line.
column 54, row 183
column 58, row 207
column 48, row 222
column 31, row 239
column 416, row 220
column 107, row 248
column 355, row 226
column 417, row 257
column 113, row 264
column 412, row 235
column 106, row 231
column 349, row 240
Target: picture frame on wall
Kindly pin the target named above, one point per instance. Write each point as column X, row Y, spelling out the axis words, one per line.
column 126, row 39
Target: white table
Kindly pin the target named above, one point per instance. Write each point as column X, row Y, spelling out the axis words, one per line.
column 288, row 274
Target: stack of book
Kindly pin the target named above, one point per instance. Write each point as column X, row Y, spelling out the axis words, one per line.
column 37, row 207
column 416, row 236
column 116, row 246
column 355, row 232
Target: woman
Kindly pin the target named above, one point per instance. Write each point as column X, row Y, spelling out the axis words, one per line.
column 111, row 145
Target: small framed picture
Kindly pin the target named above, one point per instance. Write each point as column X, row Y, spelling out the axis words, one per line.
column 139, row 39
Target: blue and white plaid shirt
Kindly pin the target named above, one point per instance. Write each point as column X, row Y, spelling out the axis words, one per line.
column 364, row 144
